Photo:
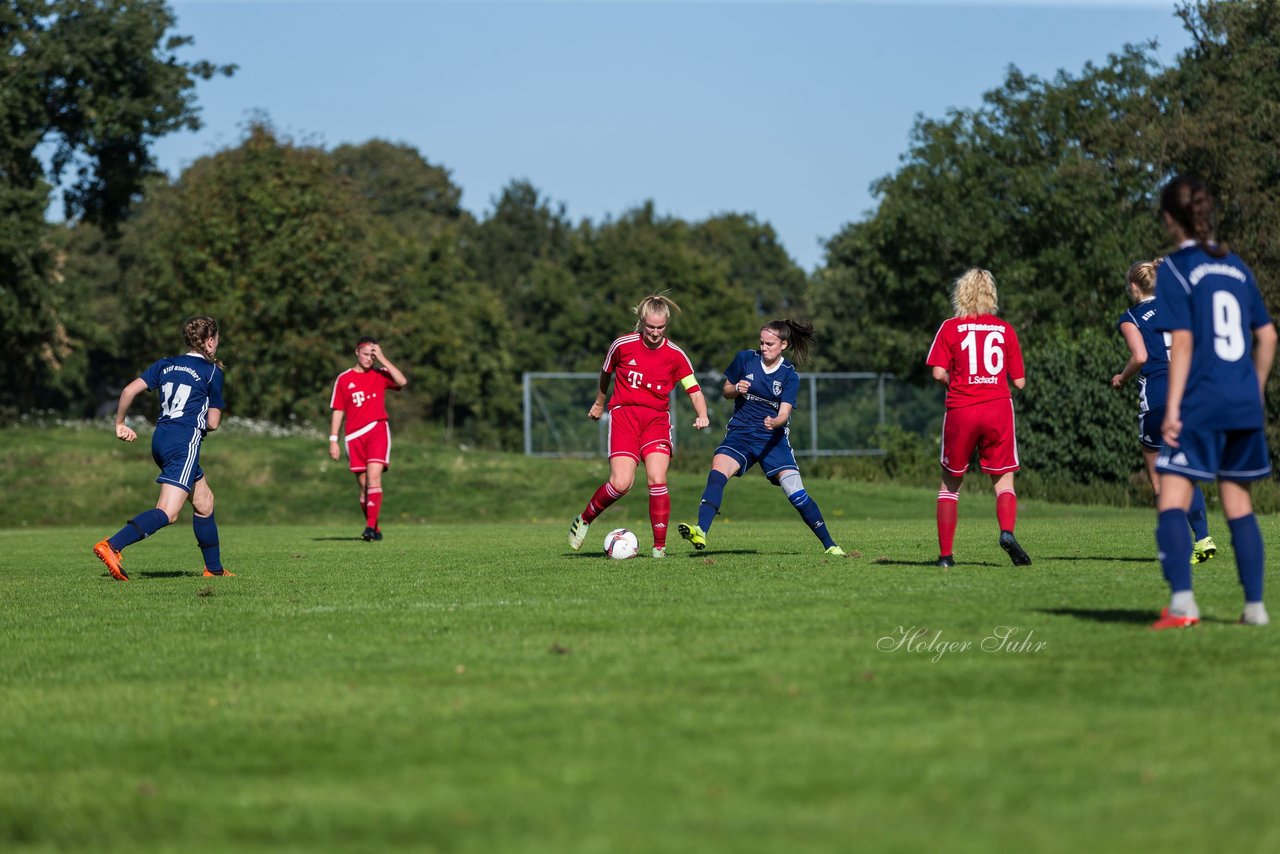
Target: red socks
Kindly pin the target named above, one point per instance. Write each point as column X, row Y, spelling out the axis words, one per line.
column 603, row 497
column 659, row 513
column 373, row 504
column 948, row 510
column 1007, row 510
column 659, row 508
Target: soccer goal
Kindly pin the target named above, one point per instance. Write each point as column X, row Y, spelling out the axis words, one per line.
column 838, row 414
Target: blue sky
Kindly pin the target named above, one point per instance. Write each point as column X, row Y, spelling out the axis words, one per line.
column 786, row 110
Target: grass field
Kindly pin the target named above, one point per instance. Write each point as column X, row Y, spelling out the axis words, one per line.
column 479, row 687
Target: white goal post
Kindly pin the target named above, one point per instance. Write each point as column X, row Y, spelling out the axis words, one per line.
column 838, row 414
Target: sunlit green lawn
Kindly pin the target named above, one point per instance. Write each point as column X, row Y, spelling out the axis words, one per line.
column 479, row 687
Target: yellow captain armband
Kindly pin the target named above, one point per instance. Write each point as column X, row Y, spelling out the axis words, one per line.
column 690, row 384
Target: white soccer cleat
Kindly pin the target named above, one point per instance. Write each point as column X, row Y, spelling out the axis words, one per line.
column 659, row 552
column 578, row 532
column 1255, row 614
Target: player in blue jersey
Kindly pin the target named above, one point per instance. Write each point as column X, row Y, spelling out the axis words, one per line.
column 1223, row 344
column 763, row 387
column 191, row 405
column 1149, row 361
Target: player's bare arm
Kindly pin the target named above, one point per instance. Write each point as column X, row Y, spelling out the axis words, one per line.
column 732, row 390
column 396, row 374
column 773, row 422
column 1179, row 369
column 1264, row 354
column 700, row 407
column 335, row 422
column 130, row 393
column 1137, row 355
column 941, row 377
column 1019, row 383
column 212, row 420
column 602, row 394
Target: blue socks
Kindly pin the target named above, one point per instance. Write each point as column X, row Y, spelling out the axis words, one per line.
column 138, row 528
column 712, row 497
column 206, row 531
column 1198, row 514
column 1246, row 539
column 812, row 516
column 1173, row 539
column 145, row 524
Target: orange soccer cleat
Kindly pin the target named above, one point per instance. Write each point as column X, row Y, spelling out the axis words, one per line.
column 209, row 573
column 1174, row 621
column 111, row 558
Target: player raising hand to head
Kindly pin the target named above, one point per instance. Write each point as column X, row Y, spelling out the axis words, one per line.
column 360, row 395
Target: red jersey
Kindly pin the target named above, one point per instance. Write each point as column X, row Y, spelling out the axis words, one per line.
column 645, row 377
column 362, row 396
column 981, row 354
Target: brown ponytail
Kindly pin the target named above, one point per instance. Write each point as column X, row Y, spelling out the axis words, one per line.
column 1187, row 202
column 798, row 334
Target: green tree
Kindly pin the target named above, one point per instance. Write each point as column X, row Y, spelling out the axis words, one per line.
column 90, row 85
column 1048, row 185
column 286, row 257
column 448, row 328
column 1072, row 426
column 1223, row 106
column 525, row 250
column 402, row 187
column 757, row 264
column 640, row 253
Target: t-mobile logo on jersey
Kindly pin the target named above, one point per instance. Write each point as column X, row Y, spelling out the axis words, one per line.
column 634, row 379
column 357, row 397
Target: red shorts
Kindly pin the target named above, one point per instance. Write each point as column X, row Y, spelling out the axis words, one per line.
column 370, row 444
column 637, row 432
column 985, row 426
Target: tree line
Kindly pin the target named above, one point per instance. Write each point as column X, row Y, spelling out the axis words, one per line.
column 297, row 250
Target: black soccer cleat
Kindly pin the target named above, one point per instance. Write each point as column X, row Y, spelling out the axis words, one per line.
column 1017, row 554
column 945, row 560
column 369, row 535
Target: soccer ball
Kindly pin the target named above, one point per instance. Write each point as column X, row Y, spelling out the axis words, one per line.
column 621, row 544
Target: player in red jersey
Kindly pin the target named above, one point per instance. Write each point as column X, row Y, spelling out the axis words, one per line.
column 976, row 355
column 359, row 393
column 647, row 366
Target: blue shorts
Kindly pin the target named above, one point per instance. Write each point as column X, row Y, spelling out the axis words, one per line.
column 1235, row 455
column 177, row 451
column 773, row 453
column 1149, row 424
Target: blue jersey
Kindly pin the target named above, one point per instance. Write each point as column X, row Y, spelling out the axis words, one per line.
column 1153, row 377
column 190, row 386
column 1217, row 299
column 769, row 390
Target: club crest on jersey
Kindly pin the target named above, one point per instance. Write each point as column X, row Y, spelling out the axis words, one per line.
column 777, row 387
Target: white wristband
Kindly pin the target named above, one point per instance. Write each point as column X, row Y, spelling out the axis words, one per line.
column 333, row 438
